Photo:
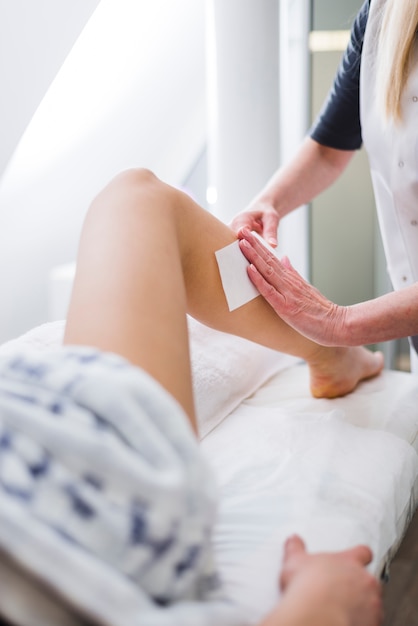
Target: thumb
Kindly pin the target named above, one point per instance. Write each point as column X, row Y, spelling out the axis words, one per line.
column 294, row 547
column 270, row 225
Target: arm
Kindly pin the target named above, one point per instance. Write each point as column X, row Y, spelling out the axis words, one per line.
column 324, row 155
column 142, row 265
column 391, row 316
column 304, row 308
column 313, row 169
column 329, row 589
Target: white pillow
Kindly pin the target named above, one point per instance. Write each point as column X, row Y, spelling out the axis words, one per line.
column 225, row 369
column 41, row 338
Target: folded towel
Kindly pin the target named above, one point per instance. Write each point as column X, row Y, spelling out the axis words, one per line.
column 225, row 369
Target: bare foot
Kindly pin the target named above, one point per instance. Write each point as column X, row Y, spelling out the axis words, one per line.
column 339, row 373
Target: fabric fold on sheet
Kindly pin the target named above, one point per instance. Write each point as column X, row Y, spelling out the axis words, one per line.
column 338, row 472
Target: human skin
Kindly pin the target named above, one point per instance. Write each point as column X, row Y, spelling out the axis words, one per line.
column 303, row 307
column 326, row 589
column 142, row 265
column 312, row 170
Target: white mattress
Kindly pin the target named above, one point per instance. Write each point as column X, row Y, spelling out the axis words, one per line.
column 338, row 472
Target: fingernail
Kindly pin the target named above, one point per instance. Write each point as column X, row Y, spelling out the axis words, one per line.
column 272, row 241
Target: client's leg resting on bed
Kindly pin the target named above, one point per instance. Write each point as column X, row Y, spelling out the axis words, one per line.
column 146, row 257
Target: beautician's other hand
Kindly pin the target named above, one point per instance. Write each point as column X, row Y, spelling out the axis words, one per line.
column 296, row 301
column 261, row 217
column 328, row 588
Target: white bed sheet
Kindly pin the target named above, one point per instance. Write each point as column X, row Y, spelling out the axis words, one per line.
column 337, row 472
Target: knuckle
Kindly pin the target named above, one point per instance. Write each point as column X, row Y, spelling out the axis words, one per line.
column 271, row 294
column 273, row 291
column 269, row 270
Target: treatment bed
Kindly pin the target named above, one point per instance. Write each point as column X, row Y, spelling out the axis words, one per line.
column 337, row 472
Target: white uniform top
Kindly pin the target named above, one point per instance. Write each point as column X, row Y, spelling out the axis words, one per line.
column 393, row 156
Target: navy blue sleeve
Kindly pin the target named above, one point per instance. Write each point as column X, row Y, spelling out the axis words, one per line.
column 338, row 123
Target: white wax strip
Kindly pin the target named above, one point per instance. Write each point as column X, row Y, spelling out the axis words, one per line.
column 237, row 286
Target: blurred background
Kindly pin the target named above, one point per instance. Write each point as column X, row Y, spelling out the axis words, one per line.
column 212, row 95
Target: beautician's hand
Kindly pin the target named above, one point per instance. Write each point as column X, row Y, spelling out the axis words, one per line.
column 328, row 588
column 296, row 301
column 261, row 217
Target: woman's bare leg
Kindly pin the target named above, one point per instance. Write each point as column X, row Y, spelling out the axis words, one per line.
column 146, row 257
column 129, row 294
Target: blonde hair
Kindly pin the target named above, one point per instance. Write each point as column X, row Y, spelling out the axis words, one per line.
column 395, row 51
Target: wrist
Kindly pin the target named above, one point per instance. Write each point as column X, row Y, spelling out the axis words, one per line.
column 267, row 199
column 276, row 200
column 273, row 196
column 343, row 330
column 307, row 609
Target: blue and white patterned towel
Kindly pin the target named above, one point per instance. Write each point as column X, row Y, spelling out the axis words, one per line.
column 104, row 496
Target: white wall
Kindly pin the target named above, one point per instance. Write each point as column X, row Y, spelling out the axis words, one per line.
column 140, row 102
column 258, row 77
column 136, row 97
column 243, row 78
column 35, row 38
column 294, row 21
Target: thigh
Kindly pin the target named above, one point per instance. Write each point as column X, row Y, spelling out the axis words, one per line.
column 129, row 295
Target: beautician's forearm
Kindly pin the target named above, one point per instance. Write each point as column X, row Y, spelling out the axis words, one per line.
column 304, row 611
column 391, row 316
column 312, row 170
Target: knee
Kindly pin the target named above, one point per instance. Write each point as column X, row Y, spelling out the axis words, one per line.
column 137, row 178
column 128, row 186
column 132, row 192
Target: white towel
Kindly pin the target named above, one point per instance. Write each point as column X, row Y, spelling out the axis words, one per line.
column 225, row 369
column 104, row 496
